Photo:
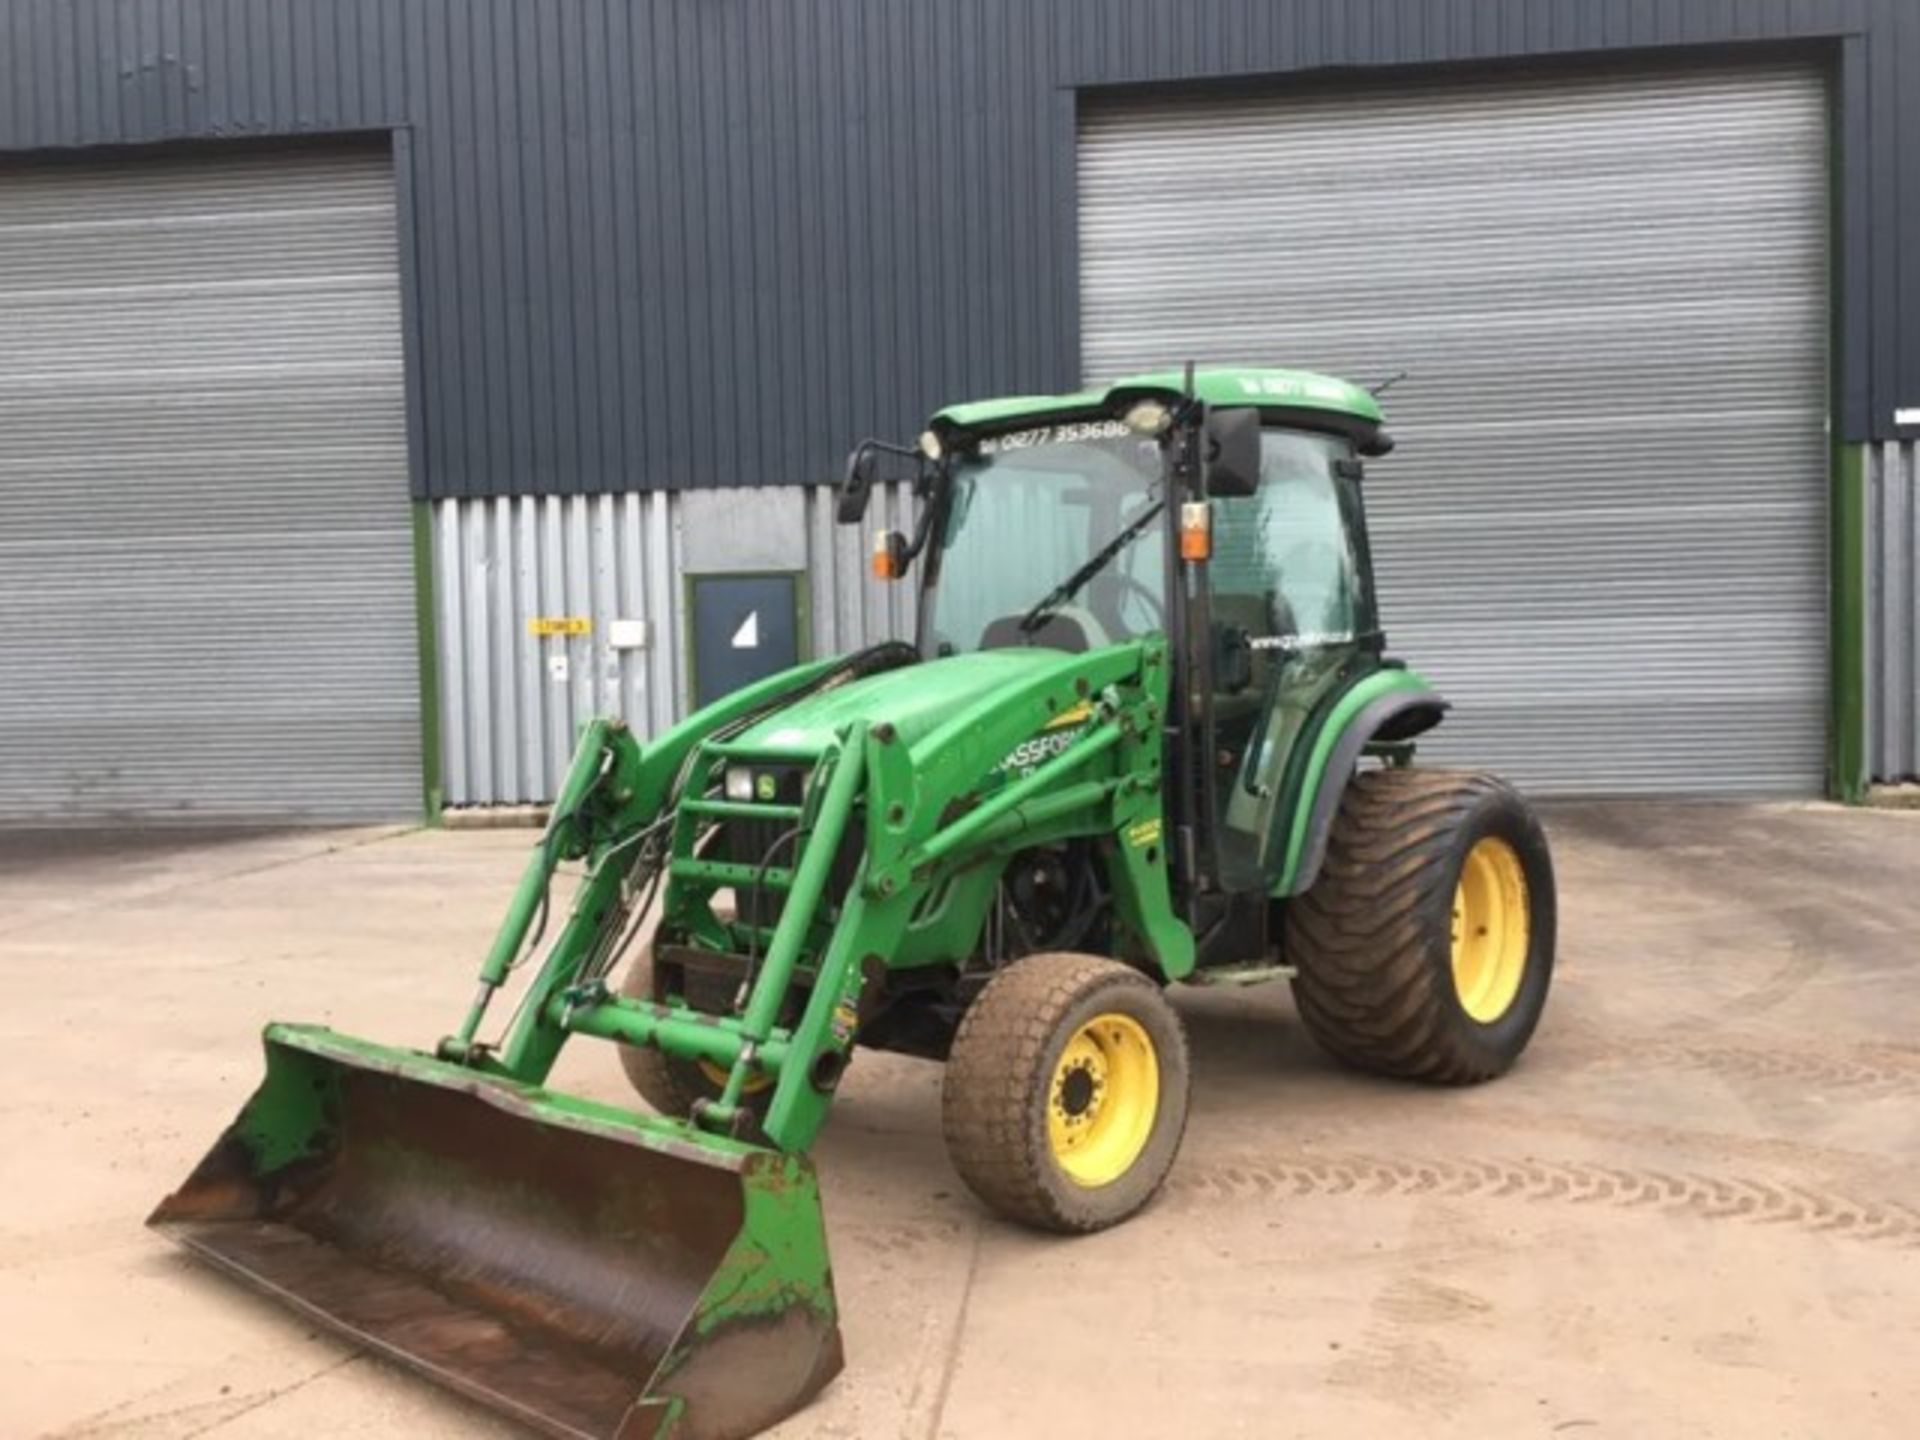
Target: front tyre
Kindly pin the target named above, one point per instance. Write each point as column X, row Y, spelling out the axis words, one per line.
column 1065, row 1096
column 670, row 1084
column 1425, row 947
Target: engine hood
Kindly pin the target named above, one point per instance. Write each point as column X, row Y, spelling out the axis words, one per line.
column 914, row 699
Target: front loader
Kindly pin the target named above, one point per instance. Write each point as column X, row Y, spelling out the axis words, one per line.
column 1147, row 732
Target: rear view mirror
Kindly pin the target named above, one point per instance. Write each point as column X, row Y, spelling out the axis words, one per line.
column 855, row 486
column 863, row 472
column 1233, row 451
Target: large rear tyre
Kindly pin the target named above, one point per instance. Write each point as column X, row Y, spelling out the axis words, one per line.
column 1424, row 949
column 668, row 1083
column 1065, row 1095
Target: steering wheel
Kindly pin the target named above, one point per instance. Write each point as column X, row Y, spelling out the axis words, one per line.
column 1121, row 587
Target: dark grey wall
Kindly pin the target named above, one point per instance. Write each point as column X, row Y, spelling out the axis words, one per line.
column 711, row 241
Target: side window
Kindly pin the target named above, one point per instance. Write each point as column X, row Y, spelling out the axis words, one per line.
column 1315, row 567
column 1283, row 563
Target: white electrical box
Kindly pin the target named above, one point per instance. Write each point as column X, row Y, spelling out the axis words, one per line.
column 627, row 635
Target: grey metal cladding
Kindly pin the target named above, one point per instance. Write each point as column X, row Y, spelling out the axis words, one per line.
column 704, row 242
column 511, row 701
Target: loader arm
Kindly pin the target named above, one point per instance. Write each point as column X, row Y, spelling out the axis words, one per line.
column 613, row 790
column 920, row 815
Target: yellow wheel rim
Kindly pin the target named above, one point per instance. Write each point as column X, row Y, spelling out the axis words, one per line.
column 718, row 1075
column 1103, row 1099
column 1490, row 930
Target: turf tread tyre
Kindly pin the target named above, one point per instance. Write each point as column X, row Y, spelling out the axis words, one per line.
column 995, row 1091
column 1370, row 939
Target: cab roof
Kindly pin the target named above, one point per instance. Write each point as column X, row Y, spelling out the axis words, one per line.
column 1263, row 388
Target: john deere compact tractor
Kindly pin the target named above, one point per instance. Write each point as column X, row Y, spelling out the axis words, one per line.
column 1147, row 733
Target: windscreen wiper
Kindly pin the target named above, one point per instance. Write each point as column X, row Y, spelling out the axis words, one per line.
column 1098, row 561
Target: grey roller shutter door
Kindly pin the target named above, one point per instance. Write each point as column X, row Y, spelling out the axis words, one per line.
column 1604, row 532
column 206, row 580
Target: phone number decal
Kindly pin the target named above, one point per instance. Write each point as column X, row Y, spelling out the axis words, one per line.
column 1054, row 435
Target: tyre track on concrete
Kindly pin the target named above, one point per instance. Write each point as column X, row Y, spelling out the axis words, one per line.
column 1792, row 1204
column 1855, row 1068
column 1864, row 1170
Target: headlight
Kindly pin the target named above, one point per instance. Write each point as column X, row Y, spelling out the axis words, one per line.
column 1148, row 417
column 745, row 783
column 929, row 444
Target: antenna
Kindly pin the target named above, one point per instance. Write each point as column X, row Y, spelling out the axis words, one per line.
column 1387, row 384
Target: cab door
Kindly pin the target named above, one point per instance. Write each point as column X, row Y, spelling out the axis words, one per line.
column 1293, row 619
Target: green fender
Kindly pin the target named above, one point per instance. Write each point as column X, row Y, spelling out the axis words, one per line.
column 1387, row 704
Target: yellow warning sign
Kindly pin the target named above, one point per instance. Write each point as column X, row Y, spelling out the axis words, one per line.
column 560, row 625
column 1072, row 715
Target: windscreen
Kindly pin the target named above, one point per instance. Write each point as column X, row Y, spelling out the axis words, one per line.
column 1027, row 511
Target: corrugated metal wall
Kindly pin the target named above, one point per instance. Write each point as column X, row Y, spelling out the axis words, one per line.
column 207, row 602
column 1893, row 660
column 706, row 242
column 788, row 222
column 1603, row 535
column 509, row 712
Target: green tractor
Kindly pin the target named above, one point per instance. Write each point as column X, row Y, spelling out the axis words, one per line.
column 1147, row 733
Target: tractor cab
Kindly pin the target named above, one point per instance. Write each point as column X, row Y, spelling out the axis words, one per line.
column 1221, row 510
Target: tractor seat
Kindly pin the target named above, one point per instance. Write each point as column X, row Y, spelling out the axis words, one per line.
column 1068, row 628
column 1254, row 616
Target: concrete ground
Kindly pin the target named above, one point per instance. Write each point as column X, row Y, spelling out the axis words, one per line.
column 1693, row 1210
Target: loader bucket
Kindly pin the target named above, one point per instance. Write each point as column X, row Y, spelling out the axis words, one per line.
column 591, row 1272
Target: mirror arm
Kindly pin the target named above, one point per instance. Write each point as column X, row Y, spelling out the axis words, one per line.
column 850, row 508
column 923, row 528
column 888, row 447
